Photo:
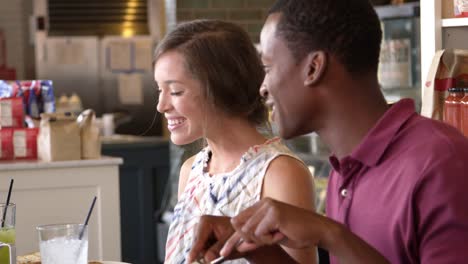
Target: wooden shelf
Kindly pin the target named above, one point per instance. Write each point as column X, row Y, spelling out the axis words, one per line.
column 455, row 22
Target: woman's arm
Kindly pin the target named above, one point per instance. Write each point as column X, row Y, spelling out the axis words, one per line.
column 184, row 174
column 289, row 181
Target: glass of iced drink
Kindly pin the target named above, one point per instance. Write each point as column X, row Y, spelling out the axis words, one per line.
column 61, row 243
column 7, row 232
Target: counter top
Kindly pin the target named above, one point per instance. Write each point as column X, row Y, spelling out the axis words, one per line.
column 38, row 164
column 129, row 141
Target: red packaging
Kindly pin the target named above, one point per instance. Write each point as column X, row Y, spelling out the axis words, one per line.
column 6, row 144
column 460, row 8
column 25, row 143
column 11, row 112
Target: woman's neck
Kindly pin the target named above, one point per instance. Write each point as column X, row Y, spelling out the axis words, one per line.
column 229, row 141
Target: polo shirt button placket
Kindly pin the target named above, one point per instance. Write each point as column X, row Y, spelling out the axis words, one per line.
column 344, row 192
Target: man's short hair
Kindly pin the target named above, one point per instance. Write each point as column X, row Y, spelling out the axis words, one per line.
column 348, row 29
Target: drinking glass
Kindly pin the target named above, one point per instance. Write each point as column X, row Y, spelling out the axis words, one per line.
column 61, row 243
column 7, row 232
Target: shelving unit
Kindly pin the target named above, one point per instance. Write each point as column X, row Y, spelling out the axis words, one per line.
column 455, row 22
column 400, row 26
column 439, row 33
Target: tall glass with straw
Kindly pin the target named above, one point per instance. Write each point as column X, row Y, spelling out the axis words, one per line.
column 7, row 230
column 64, row 243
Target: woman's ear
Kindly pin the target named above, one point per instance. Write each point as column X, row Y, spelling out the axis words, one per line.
column 315, row 65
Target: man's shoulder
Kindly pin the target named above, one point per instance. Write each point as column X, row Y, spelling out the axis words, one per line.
column 424, row 146
column 432, row 137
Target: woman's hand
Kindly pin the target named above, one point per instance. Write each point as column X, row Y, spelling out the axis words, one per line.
column 211, row 234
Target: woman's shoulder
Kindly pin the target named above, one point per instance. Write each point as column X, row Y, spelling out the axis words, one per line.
column 273, row 148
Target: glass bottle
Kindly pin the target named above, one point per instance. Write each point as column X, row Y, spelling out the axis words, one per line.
column 452, row 107
column 464, row 113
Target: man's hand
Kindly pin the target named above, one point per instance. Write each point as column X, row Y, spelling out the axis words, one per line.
column 272, row 222
column 211, row 234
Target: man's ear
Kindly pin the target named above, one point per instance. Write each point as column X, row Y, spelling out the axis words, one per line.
column 315, row 65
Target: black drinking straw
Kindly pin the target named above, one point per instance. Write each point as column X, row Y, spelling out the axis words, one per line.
column 87, row 217
column 7, row 202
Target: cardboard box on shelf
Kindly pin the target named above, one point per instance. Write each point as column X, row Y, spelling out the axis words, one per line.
column 59, row 138
column 447, row 9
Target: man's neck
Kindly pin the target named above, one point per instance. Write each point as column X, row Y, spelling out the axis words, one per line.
column 347, row 123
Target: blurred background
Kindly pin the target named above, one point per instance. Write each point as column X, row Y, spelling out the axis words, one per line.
column 99, row 56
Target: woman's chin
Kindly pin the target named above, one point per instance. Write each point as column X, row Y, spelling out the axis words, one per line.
column 180, row 141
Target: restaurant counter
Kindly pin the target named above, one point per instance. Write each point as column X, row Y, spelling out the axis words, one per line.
column 62, row 192
column 143, row 193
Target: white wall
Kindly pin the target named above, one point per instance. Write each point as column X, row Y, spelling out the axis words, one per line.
column 14, row 20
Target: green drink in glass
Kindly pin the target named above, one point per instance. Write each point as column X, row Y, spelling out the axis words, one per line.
column 8, row 236
column 7, row 233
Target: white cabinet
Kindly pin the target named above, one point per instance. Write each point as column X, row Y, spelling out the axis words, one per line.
column 62, row 192
column 438, row 32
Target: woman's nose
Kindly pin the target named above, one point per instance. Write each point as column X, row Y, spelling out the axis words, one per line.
column 263, row 91
column 163, row 104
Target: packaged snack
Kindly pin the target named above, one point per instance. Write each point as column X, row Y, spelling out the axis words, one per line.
column 449, row 69
column 6, row 144
column 11, row 112
column 25, row 143
column 47, row 97
column 460, row 8
column 38, row 95
column 6, row 90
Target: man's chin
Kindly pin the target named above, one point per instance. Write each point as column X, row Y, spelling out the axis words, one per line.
column 286, row 133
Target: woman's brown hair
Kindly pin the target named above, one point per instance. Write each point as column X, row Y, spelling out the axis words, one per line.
column 223, row 58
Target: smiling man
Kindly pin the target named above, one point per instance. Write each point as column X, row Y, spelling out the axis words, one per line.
column 397, row 191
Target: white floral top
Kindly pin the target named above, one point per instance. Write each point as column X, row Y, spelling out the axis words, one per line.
column 224, row 194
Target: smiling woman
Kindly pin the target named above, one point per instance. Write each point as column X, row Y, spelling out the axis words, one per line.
column 208, row 75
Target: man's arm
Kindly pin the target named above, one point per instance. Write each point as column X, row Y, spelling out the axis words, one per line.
column 440, row 203
column 271, row 222
column 213, row 231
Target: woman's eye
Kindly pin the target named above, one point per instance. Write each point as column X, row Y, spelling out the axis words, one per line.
column 176, row 93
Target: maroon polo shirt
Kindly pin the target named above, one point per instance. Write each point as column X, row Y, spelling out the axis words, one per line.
column 404, row 189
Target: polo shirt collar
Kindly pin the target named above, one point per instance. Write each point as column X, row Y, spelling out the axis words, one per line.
column 376, row 142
